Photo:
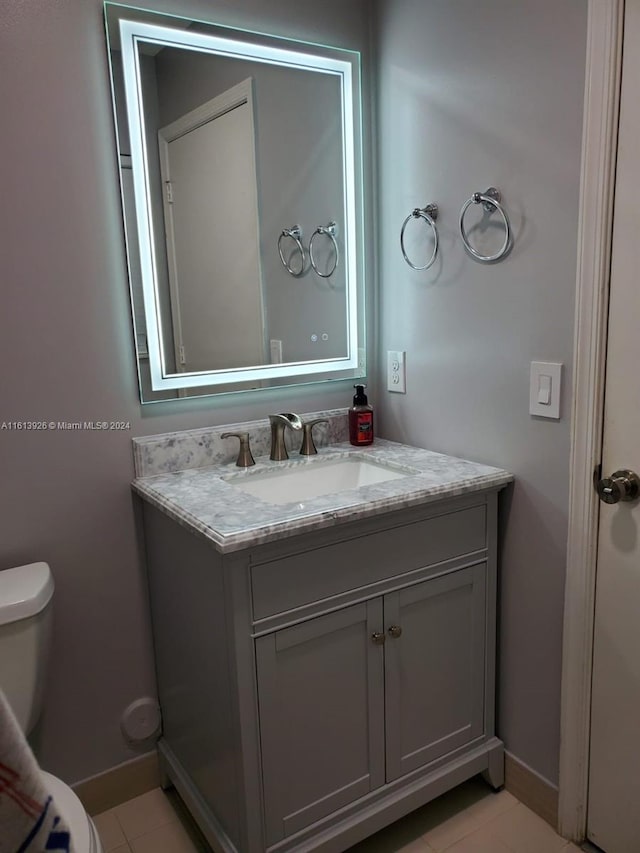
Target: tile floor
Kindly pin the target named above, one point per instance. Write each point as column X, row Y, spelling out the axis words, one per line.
column 469, row 819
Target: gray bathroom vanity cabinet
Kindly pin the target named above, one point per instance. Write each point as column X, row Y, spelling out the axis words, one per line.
column 318, row 687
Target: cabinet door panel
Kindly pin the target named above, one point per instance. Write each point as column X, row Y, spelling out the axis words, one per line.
column 434, row 669
column 321, row 717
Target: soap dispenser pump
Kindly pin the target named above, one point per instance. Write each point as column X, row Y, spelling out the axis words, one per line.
column 360, row 419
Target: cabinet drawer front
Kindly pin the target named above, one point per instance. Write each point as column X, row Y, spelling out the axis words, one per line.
column 299, row 579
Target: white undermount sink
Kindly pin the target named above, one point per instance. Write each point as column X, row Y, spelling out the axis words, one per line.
column 311, row 479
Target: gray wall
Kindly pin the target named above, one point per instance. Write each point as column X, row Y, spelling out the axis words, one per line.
column 472, row 95
column 67, row 354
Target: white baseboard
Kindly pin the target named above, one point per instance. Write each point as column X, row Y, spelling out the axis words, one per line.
column 135, row 777
column 119, row 784
column 533, row 790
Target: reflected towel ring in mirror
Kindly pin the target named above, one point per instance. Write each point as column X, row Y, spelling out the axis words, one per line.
column 330, row 230
column 296, row 235
column 429, row 213
column 490, row 200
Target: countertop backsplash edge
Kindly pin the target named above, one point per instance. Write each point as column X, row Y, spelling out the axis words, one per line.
column 183, row 450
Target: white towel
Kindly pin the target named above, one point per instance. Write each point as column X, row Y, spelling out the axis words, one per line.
column 29, row 819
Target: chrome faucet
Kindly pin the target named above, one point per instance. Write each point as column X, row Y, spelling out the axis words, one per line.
column 278, row 424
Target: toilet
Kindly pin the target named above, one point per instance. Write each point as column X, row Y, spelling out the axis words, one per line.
column 25, row 629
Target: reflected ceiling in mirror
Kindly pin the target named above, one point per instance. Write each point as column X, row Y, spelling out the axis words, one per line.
column 241, row 175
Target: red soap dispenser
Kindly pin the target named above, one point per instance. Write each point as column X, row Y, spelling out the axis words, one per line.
column 360, row 419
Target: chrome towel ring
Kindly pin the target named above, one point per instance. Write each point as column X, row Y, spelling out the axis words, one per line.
column 429, row 213
column 329, row 230
column 295, row 233
column 490, row 200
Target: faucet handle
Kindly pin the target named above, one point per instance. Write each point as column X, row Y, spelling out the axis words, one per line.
column 308, row 448
column 245, row 459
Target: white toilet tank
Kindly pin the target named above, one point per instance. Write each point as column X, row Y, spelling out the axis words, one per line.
column 25, row 631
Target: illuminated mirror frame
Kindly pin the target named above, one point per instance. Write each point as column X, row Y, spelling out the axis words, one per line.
column 266, row 49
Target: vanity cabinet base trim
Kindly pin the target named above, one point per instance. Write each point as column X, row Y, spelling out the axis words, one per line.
column 379, row 809
column 171, row 769
column 350, row 825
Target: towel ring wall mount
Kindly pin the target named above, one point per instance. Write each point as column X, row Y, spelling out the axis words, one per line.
column 429, row 213
column 490, row 200
column 295, row 234
column 329, row 230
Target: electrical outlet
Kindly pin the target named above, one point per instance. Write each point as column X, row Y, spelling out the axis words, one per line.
column 275, row 348
column 396, row 371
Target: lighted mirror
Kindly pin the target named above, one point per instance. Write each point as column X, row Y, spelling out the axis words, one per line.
column 241, row 174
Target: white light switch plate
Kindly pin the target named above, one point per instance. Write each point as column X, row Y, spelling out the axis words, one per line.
column 544, row 389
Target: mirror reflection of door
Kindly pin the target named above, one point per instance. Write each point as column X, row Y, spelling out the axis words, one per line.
column 208, row 169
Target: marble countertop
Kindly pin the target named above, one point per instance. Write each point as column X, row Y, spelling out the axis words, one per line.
column 205, row 501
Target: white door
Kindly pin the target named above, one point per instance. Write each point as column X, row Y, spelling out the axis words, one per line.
column 613, row 818
column 211, row 221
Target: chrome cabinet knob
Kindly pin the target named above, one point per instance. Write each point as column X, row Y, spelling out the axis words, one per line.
column 395, row 631
column 623, row 485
